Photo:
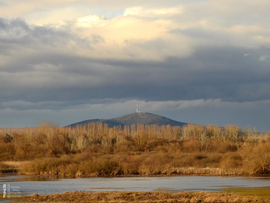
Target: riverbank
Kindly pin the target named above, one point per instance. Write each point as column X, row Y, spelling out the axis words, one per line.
column 188, row 171
column 153, row 163
column 11, row 167
column 197, row 197
column 129, row 165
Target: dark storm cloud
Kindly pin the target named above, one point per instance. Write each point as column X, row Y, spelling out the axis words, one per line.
column 52, row 80
column 17, row 32
column 208, row 74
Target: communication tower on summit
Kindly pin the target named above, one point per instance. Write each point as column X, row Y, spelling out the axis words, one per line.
column 137, row 110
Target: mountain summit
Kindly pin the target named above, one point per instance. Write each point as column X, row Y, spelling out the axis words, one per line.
column 134, row 118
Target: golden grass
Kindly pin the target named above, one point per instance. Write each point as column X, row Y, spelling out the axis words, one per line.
column 129, row 164
column 198, row 197
column 15, row 164
column 3, row 166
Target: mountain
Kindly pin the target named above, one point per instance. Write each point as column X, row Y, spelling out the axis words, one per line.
column 134, row 118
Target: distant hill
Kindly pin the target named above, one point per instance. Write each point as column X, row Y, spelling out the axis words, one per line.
column 134, row 118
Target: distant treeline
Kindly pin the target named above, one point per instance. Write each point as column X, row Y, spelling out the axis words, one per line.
column 140, row 149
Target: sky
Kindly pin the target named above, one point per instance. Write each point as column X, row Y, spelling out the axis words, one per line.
column 197, row 61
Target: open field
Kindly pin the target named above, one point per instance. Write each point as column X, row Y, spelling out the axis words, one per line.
column 97, row 150
column 198, row 197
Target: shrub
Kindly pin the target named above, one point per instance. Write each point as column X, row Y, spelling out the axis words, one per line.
column 155, row 163
column 257, row 158
column 7, row 151
column 231, row 161
column 125, row 146
column 59, row 144
column 191, row 145
column 105, row 166
column 47, row 165
column 154, row 143
column 3, row 166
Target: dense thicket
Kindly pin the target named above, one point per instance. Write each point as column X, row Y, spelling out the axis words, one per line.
column 140, row 149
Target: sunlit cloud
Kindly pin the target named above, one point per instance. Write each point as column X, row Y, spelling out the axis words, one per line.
column 89, row 21
column 140, row 11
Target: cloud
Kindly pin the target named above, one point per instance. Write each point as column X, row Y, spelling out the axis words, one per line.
column 17, row 33
column 58, row 74
column 140, row 11
column 169, row 54
column 194, row 111
column 263, row 58
column 89, row 21
column 128, row 105
column 2, row 4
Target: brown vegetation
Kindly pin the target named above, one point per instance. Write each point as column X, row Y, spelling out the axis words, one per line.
column 97, row 150
column 198, row 197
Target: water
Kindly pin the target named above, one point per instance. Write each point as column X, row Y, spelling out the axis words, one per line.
column 28, row 185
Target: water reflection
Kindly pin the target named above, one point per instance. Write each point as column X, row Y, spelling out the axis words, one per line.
column 7, row 178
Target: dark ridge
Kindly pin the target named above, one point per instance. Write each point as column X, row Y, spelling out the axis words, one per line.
column 107, row 121
column 134, row 118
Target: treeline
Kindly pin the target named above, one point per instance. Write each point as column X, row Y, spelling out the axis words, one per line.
column 140, row 149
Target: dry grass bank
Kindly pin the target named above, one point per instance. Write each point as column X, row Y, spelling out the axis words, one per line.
column 15, row 164
column 130, row 164
column 199, row 197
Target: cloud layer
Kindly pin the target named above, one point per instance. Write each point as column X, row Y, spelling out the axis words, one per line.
column 177, row 55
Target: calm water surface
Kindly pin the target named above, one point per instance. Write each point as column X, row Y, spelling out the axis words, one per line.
column 28, row 185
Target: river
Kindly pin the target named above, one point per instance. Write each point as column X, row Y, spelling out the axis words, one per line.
column 28, row 185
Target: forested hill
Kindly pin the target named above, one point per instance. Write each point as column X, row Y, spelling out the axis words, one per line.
column 134, row 118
